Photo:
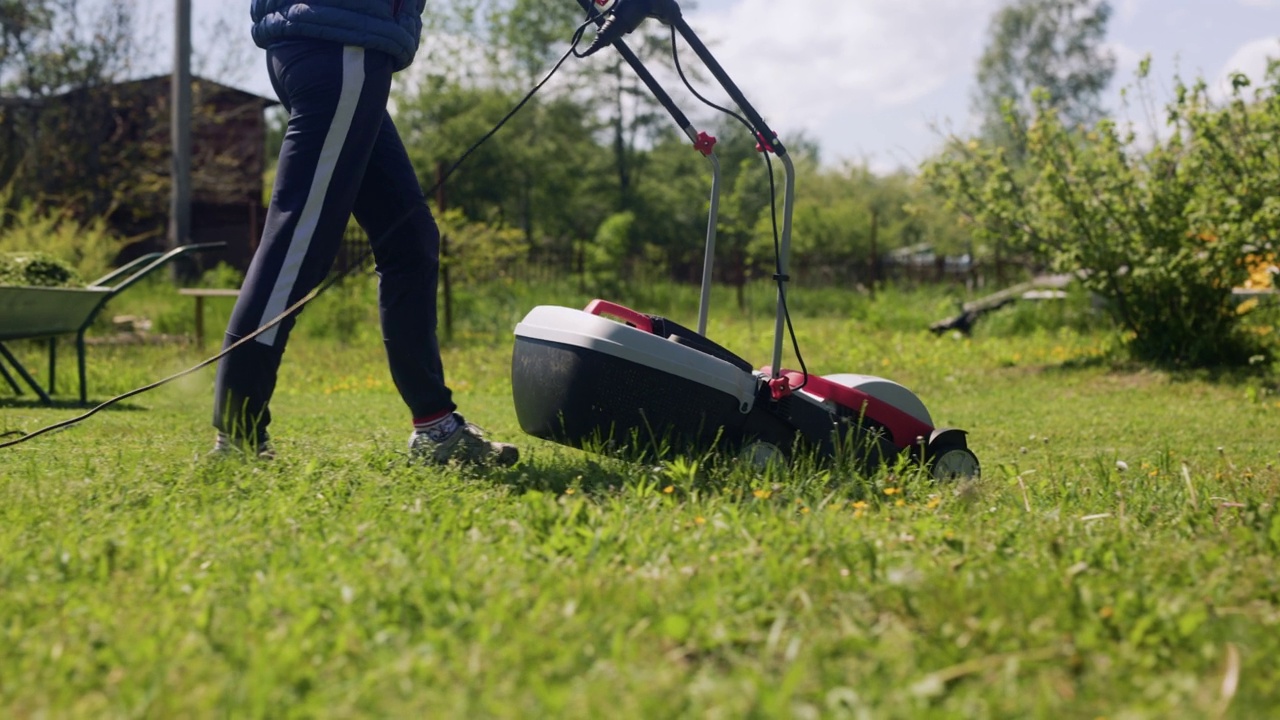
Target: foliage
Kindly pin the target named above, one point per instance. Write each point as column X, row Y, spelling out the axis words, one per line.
column 479, row 251
column 1056, row 46
column 87, row 248
column 35, row 270
column 535, row 175
column 1163, row 234
column 221, row 276
column 605, row 259
column 52, row 46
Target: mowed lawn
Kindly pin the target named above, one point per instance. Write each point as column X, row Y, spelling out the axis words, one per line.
column 1117, row 559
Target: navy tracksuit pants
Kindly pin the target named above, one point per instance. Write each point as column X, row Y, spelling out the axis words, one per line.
column 341, row 156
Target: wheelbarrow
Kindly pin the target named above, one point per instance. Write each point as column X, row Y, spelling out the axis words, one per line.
column 33, row 313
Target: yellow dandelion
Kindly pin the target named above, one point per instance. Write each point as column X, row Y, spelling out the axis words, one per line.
column 669, row 489
column 763, row 494
column 861, row 505
column 934, row 502
column 700, row 521
column 891, row 491
column 569, row 491
column 900, row 503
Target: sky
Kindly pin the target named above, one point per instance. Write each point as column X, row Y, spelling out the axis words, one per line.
column 881, row 81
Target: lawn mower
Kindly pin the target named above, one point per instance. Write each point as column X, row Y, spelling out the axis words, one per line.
column 609, row 378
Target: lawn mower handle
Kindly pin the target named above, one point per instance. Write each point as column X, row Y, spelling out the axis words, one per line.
column 626, row 15
column 593, row 13
column 702, row 142
column 668, row 11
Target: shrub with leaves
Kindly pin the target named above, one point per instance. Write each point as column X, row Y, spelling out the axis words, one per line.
column 479, row 251
column 1163, row 232
column 29, row 227
column 36, row 270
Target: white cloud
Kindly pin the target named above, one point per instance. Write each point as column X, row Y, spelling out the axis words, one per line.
column 816, row 60
column 1250, row 59
column 1127, row 10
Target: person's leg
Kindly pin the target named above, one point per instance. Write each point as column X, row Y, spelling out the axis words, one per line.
column 336, row 97
column 406, row 249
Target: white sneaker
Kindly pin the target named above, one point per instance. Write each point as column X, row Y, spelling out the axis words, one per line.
column 225, row 447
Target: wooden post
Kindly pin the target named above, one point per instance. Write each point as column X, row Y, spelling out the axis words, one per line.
column 180, row 129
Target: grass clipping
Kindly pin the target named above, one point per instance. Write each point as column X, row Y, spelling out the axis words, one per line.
column 34, row 269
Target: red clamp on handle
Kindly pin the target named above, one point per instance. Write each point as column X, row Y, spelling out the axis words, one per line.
column 636, row 319
column 705, row 144
column 780, row 387
column 764, row 145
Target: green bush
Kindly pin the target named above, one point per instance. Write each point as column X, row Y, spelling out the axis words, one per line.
column 605, row 258
column 88, row 248
column 36, row 270
column 1162, row 234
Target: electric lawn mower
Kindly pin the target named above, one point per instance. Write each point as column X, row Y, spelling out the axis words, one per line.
column 610, row 378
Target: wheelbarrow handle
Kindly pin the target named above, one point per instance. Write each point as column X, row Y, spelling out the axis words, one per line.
column 106, row 280
column 149, row 263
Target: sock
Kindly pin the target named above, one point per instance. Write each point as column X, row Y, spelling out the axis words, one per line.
column 438, row 426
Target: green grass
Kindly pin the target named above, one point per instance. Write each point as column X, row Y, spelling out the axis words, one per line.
column 1117, row 559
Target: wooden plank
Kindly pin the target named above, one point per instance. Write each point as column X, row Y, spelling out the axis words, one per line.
column 200, row 294
column 208, row 292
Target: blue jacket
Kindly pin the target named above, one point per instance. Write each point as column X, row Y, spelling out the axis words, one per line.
column 391, row 26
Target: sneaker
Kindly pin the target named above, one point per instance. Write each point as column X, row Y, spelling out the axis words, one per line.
column 225, row 447
column 466, row 445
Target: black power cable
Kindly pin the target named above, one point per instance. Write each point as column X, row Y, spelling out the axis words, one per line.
column 338, row 277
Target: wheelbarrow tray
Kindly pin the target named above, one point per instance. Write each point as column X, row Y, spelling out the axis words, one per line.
column 37, row 312
column 33, row 313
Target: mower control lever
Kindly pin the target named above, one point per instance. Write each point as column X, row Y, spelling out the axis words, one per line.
column 626, row 15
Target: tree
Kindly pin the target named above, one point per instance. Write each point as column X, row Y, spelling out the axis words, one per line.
column 1162, row 233
column 560, row 166
column 53, row 46
column 49, row 48
column 1052, row 45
